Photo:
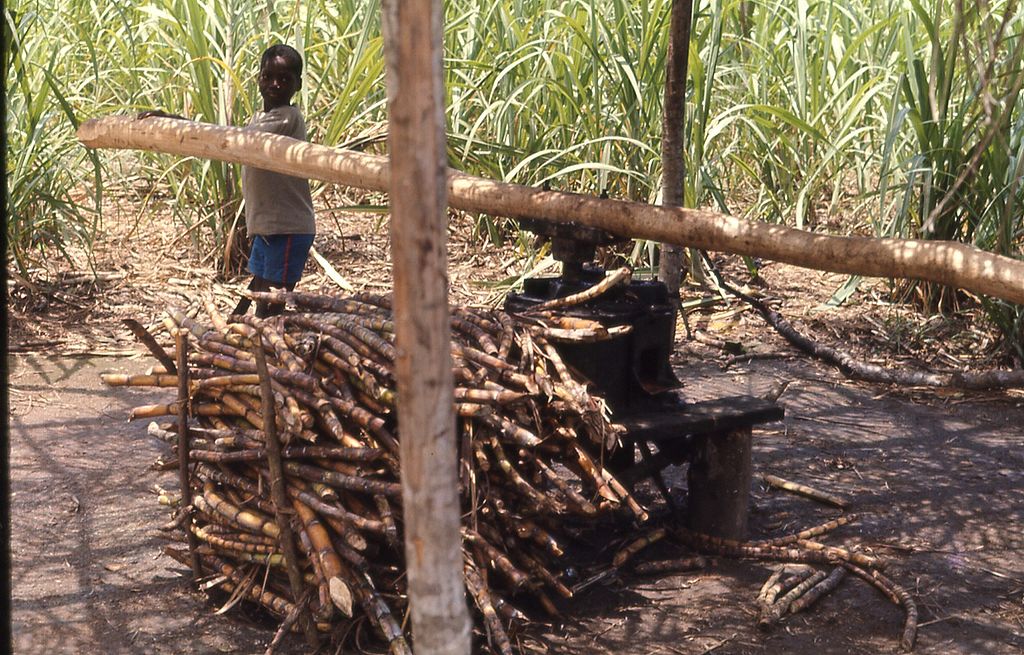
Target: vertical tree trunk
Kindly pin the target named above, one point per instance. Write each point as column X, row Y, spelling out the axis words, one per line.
column 673, row 165
column 426, row 417
column 235, row 253
column 746, row 13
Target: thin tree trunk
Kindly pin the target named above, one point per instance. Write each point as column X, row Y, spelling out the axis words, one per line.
column 426, row 416
column 945, row 262
column 673, row 163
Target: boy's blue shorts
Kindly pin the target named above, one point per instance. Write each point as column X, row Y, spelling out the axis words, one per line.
column 279, row 258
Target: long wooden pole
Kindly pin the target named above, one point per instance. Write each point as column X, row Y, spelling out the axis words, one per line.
column 673, row 121
column 944, row 262
column 423, row 366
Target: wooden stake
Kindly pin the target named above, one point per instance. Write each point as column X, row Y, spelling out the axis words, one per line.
column 423, row 366
column 181, row 346
column 673, row 145
column 278, row 493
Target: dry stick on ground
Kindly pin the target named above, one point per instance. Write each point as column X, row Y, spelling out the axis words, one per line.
column 811, row 553
column 809, row 533
column 675, row 565
column 773, row 612
column 143, row 335
column 804, row 490
column 801, row 551
column 771, row 588
column 898, row 595
column 860, row 370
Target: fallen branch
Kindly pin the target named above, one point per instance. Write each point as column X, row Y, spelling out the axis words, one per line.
column 898, row 595
column 819, row 590
column 858, row 370
column 660, row 567
column 771, row 613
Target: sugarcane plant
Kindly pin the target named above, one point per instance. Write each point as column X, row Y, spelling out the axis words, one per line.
column 961, row 180
column 47, row 211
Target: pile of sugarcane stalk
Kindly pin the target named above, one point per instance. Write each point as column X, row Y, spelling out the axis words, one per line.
column 298, row 509
column 531, row 440
column 808, row 571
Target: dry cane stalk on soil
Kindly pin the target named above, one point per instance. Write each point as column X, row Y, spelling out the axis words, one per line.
column 804, row 490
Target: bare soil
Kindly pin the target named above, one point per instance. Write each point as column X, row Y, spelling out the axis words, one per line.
column 935, row 477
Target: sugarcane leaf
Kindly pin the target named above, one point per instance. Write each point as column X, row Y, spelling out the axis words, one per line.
column 239, row 592
column 843, row 293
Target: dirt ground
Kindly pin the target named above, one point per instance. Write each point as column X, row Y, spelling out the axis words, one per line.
column 935, row 477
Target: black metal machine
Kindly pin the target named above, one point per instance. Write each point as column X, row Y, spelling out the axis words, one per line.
column 632, row 371
column 626, row 370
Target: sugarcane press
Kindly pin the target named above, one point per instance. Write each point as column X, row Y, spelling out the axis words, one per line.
column 632, row 372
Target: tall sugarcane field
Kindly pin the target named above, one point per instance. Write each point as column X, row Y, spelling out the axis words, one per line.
column 717, row 306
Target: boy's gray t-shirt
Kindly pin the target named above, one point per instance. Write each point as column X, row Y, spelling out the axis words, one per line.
column 276, row 203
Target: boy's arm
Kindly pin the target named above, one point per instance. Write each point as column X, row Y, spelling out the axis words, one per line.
column 159, row 113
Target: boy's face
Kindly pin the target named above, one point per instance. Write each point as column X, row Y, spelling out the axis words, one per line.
column 278, row 83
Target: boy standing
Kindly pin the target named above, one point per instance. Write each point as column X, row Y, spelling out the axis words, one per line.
column 278, row 208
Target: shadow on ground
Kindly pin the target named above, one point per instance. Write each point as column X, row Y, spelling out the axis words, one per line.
column 937, row 488
column 88, row 574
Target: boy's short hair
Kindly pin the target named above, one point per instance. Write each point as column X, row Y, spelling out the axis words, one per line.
column 286, row 52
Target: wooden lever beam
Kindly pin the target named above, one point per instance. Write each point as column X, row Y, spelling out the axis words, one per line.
column 945, row 262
